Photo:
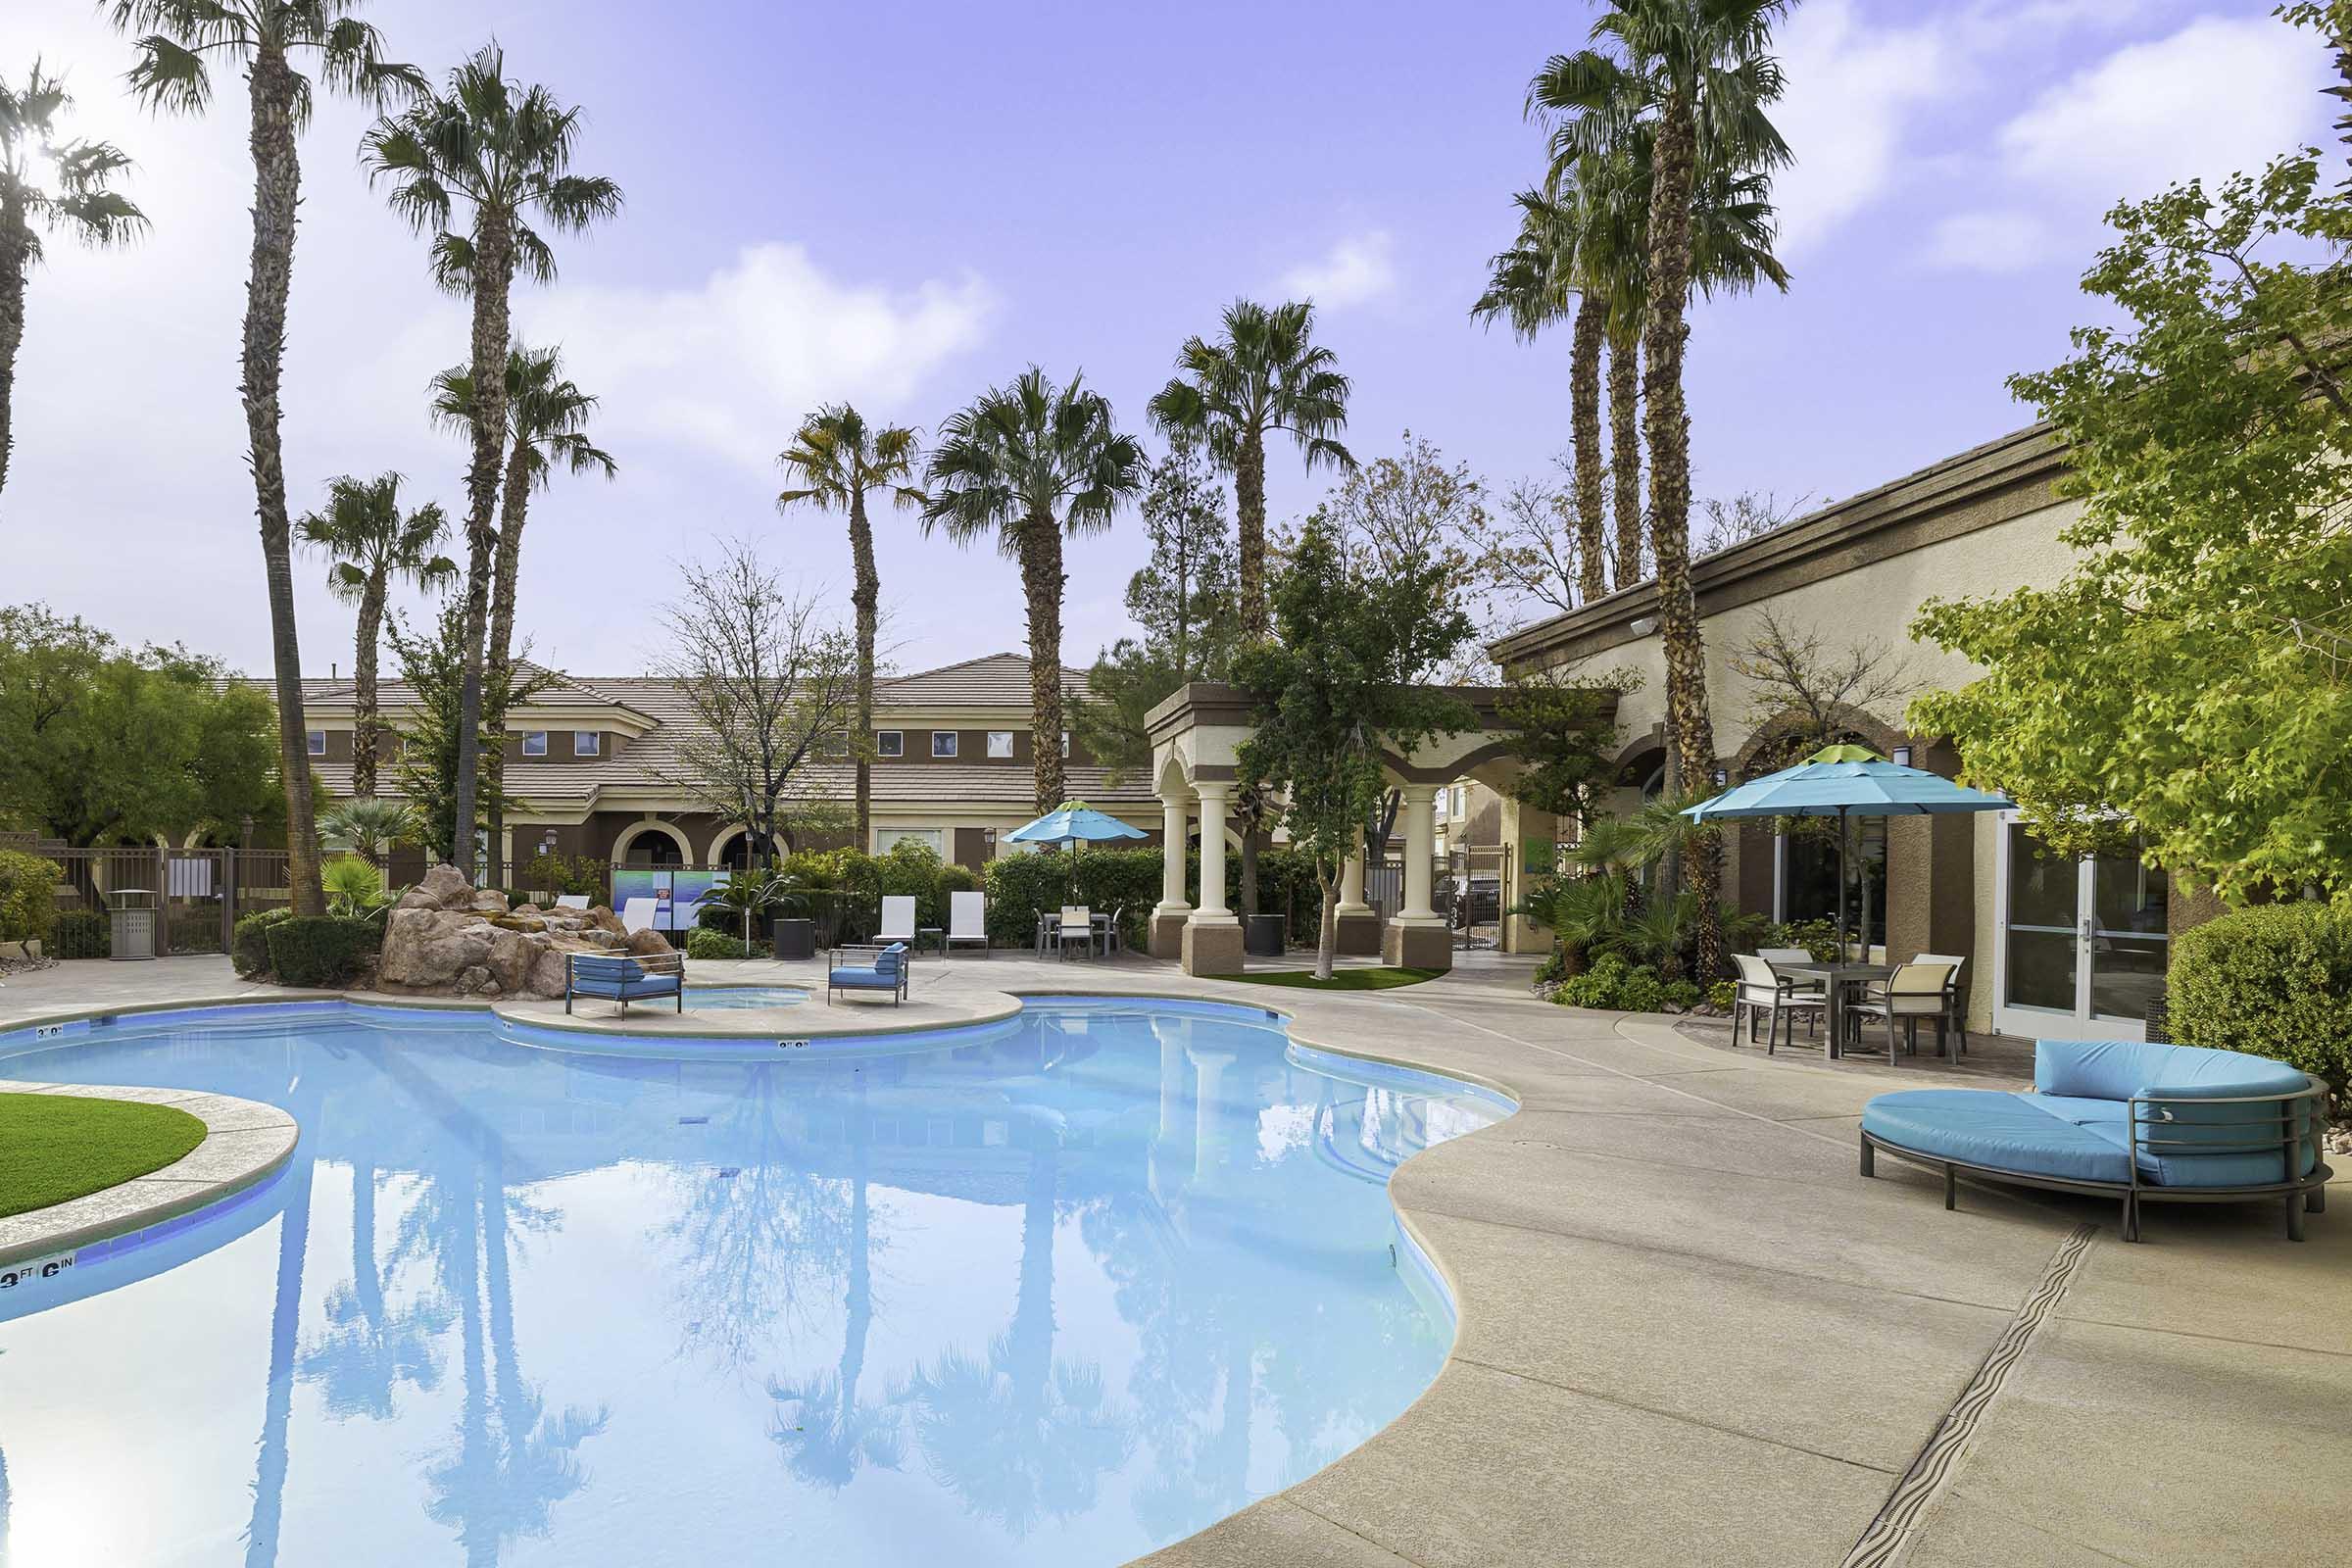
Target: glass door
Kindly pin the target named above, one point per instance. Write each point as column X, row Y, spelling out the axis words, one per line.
column 2083, row 942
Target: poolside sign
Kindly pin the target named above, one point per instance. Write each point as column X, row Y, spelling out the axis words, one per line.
column 33, row 1270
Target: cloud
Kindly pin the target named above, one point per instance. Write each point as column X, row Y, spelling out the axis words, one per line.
column 1852, row 92
column 2215, row 97
column 1357, row 270
column 1995, row 241
column 731, row 362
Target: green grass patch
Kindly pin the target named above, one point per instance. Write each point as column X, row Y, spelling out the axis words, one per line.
column 58, row 1146
column 1374, row 979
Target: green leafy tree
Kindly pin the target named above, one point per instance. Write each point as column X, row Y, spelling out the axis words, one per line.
column 1263, row 374
column 834, row 460
column 373, row 547
column 2206, row 433
column 1340, row 687
column 1564, row 733
column 73, row 199
column 504, row 151
column 433, row 667
column 1028, row 463
column 177, row 42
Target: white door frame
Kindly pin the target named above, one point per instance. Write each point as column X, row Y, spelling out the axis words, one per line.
column 2049, row 1022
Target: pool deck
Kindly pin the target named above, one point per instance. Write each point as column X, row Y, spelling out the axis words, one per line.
column 1691, row 1333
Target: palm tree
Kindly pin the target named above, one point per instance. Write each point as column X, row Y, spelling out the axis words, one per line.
column 547, row 420
column 367, row 827
column 1693, row 77
column 172, row 73
column 373, row 548
column 837, row 458
column 506, row 150
column 1538, row 283
column 80, row 205
column 1027, row 462
column 1264, row 373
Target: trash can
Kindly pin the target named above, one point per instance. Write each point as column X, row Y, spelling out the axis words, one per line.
column 133, row 935
column 792, row 939
column 1263, row 935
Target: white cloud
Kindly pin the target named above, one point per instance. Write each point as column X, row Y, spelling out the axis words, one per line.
column 1357, row 270
column 1994, row 241
column 2215, row 97
column 728, row 364
column 1852, row 92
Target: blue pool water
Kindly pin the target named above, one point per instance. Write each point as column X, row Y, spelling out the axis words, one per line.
column 705, row 999
column 1058, row 1295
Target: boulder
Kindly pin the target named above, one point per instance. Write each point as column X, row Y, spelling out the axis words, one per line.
column 489, row 900
column 547, row 973
column 475, row 979
column 446, row 887
column 605, row 919
column 510, row 961
column 648, row 942
column 523, row 919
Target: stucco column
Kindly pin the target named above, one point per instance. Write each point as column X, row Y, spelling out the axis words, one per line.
column 1420, row 846
column 1352, row 881
column 1211, row 1146
column 1209, row 908
column 1174, row 820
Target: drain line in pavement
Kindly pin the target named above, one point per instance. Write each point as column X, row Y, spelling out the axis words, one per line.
column 1928, row 1473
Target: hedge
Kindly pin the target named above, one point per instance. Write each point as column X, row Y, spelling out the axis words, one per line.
column 27, row 896
column 249, row 942
column 2272, row 981
column 82, row 934
column 322, row 949
column 1020, row 886
column 705, row 943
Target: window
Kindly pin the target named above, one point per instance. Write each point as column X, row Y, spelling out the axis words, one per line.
column 1461, row 800
column 317, row 742
column 885, row 837
column 586, row 743
column 1808, row 872
column 943, row 743
column 1000, row 743
column 889, row 743
column 1445, row 799
column 534, row 743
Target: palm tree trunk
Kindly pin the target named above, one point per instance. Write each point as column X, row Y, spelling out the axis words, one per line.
column 1625, row 451
column 365, row 725
column 512, row 507
column 15, row 261
column 1250, row 517
column 493, row 276
column 1042, row 581
column 1664, row 335
column 867, row 596
column 1583, row 397
column 277, row 190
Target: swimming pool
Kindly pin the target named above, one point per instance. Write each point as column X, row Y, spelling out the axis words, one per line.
column 705, row 999
column 1055, row 1297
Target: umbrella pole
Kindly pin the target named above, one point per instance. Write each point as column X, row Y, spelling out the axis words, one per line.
column 1843, row 953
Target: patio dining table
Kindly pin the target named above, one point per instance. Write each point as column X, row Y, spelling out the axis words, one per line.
column 1837, row 980
column 1048, row 927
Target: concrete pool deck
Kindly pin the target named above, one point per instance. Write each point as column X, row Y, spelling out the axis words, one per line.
column 1690, row 1333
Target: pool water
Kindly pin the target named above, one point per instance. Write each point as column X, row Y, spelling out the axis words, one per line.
column 1056, row 1296
column 705, row 999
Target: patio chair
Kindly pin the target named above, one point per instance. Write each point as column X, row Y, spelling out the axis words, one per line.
column 897, row 920
column 865, row 966
column 624, row 979
column 967, row 921
column 1764, row 991
column 1915, row 990
column 1077, row 925
column 1115, row 940
column 1955, row 993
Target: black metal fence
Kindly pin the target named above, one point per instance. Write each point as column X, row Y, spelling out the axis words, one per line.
column 199, row 895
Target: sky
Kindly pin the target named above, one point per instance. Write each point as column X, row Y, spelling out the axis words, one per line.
column 901, row 204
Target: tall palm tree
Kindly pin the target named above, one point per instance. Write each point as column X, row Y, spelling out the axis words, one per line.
column 373, row 548
column 547, row 429
column 1693, row 75
column 1028, row 461
column 172, row 73
column 1264, row 373
column 836, row 458
column 79, row 205
column 505, row 150
column 1538, row 283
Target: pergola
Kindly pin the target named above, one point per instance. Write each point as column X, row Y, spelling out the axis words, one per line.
column 1196, row 735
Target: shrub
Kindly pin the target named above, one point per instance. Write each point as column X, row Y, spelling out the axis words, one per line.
column 249, row 942
column 198, row 931
column 2272, row 981
column 1596, row 987
column 326, row 950
column 705, row 943
column 1722, row 994
column 1553, row 968
column 355, row 888
column 578, row 876
column 1021, row 886
column 1683, row 994
column 27, row 896
column 1817, row 937
column 1612, row 985
column 1640, row 992
column 82, row 934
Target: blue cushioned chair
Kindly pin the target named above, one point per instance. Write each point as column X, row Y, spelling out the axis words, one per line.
column 868, row 968
column 624, row 979
column 2143, row 1121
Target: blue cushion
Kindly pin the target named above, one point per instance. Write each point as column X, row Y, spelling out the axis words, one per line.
column 1995, row 1129
column 2118, row 1069
column 888, row 960
column 2075, row 1074
column 861, row 978
column 2081, row 1110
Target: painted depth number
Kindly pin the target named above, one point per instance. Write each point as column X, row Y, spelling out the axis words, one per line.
column 33, row 1270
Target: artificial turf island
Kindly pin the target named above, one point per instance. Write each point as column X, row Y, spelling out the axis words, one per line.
column 58, row 1146
column 1375, row 979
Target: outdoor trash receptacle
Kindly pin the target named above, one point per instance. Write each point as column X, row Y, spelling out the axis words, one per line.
column 793, row 939
column 133, row 934
column 1263, row 935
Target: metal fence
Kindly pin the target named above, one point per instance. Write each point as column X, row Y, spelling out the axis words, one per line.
column 200, row 893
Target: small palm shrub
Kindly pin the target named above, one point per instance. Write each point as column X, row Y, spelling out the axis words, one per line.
column 355, row 888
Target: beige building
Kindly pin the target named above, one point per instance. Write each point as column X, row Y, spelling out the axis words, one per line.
column 2058, row 949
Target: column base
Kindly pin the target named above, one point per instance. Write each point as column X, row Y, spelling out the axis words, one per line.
column 1211, row 949
column 1416, row 947
column 1360, row 932
column 1167, row 932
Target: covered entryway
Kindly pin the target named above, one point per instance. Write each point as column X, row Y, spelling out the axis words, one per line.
column 2082, row 945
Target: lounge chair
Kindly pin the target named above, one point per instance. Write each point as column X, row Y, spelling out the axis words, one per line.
column 624, row 979
column 1077, row 925
column 637, row 914
column 1765, row 991
column 868, row 968
column 897, row 920
column 2143, row 1122
column 572, row 900
column 967, row 921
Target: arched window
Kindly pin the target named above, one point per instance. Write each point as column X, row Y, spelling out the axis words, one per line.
column 656, row 850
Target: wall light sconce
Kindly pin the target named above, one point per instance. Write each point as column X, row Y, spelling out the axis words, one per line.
column 1644, row 625
column 1902, row 756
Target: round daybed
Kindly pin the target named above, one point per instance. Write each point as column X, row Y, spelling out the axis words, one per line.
column 2137, row 1121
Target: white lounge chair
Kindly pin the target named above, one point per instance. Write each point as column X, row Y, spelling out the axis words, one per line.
column 897, row 920
column 572, row 900
column 637, row 915
column 967, row 921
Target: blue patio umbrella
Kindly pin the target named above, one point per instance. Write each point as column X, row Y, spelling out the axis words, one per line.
column 1842, row 781
column 1073, row 822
